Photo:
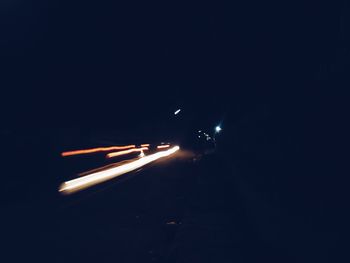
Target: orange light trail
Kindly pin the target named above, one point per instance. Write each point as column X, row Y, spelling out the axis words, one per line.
column 163, row 146
column 145, row 145
column 99, row 149
column 84, row 182
column 115, row 154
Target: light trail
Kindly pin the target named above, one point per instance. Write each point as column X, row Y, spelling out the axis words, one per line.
column 145, row 145
column 99, row 149
column 84, row 182
column 115, row 154
column 163, row 146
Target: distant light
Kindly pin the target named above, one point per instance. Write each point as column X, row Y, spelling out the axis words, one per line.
column 142, row 154
column 176, row 112
column 218, row 129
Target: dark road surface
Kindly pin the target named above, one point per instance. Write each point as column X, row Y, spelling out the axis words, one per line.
column 218, row 209
column 129, row 220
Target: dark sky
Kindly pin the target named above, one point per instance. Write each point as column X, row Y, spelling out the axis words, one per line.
column 80, row 62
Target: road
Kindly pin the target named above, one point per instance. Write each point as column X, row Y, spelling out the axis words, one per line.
column 128, row 220
column 217, row 209
column 174, row 210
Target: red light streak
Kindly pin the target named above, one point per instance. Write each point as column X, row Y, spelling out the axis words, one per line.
column 94, row 150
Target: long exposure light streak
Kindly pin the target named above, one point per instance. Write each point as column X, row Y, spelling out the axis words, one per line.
column 84, row 182
column 99, row 149
column 163, row 146
column 115, row 154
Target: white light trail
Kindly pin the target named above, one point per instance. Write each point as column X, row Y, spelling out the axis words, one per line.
column 81, row 183
column 115, row 154
column 163, row 146
column 176, row 112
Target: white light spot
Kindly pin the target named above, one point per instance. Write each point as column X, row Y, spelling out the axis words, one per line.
column 218, row 129
column 176, row 112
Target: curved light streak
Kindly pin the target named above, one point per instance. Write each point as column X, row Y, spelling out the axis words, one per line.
column 84, row 182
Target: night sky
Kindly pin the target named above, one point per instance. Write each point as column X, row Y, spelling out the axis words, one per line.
column 87, row 60
column 81, row 64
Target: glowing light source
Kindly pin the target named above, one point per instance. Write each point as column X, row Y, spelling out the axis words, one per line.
column 218, row 128
column 177, row 111
column 163, row 146
column 145, row 145
column 115, row 154
column 99, row 149
column 84, row 182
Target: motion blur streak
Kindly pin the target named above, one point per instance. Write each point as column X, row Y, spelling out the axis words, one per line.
column 115, row 154
column 81, row 183
column 145, row 145
column 176, row 112
column 163, row 146
column 99, row 149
